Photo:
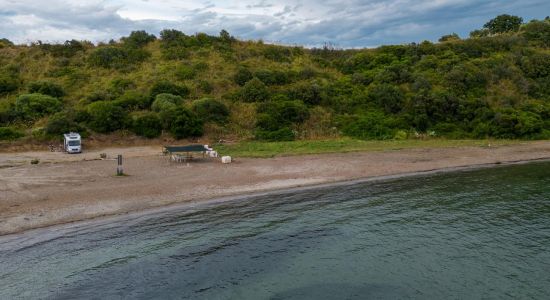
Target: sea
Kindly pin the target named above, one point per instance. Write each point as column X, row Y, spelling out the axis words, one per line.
column 468, row 234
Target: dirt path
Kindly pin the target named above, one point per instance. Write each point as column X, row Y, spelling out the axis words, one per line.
column 65, row 188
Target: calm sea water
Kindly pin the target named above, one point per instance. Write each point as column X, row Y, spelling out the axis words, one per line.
column 467, row 235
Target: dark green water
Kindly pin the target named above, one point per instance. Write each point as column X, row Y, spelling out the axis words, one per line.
column 462, row 235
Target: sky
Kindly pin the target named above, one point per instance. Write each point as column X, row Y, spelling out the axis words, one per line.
column 310, row 23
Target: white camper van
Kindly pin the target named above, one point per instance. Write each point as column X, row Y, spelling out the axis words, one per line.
column 72, row 142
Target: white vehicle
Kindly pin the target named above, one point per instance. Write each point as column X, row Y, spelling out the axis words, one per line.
column 72, row 143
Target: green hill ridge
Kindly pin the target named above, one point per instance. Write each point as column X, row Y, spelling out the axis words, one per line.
column 494, row 84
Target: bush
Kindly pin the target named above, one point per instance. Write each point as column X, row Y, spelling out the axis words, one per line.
column 254, row 91
column 34, row 106
column 147, row 125
column 372, row 126
column 184, row 72
column 46, row 88
column 62, row 122
column 242, row 76
column 165, row 87
column 282, row 134
column 133, row 100
column 8, row 84
column 211, row 110
column 205, row 86
column 387, row 97
column 138, row 39
column 272, row 77
column 309, row 92
column 116, row 58
column 106, row 117
column 285, row 112
column 162, row 101
column 8, row 134
column 186, row 124
column 108, row 57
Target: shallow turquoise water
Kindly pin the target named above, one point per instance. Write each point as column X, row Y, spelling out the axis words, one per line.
column 467, row 235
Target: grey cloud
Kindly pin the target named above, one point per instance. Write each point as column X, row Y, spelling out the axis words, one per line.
column 351, row 23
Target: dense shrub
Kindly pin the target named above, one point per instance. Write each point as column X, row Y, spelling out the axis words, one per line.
column 205, row 86
column 133, row 100
column 34, row 106
column 147, row 125
column 184, row 72
column 537, row 32
column 113, row 57
column 106, row 117
column 8, row 84
column 272, row 77
column 285, row 112
column 371, row 126
column 309, row 92
column 254, row 91
column 166, row 87
column 46, row 88
column 162, row 101
column 387, row 97
column 282, row 134
column 7, row 134
column 242, row 76
column 277, row 53
column 62, row 122
column 67, row 49
column 108, row 57
column 211, row 110
column 186, row 124
column 138, row 39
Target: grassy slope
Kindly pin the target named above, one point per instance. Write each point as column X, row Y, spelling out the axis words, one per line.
column 340, row 145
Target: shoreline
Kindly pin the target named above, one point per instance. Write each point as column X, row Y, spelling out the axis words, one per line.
column 16, row 219
column 201, row 203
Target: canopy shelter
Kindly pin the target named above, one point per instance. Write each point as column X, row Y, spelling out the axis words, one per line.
column 184, row 153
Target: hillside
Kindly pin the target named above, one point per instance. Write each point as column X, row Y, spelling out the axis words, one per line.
column 494, row 84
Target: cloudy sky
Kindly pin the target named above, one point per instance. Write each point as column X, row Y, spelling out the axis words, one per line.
column 345, row 23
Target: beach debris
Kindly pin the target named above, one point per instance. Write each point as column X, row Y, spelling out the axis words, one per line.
column 35, row 161
column 226, row 159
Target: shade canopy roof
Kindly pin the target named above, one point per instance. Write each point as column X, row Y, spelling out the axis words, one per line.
column 188, row 148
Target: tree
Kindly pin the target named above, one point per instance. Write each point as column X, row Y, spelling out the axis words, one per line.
column 449, row 37
column 537, row 32
column 504, row 23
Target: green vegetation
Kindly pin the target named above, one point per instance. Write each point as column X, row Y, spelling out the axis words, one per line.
column 341, row 145
column 495, row 84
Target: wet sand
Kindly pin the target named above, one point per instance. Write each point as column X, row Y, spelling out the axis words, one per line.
column 65, row 188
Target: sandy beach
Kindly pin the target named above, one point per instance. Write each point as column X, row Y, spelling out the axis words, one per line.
column 65, row 188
